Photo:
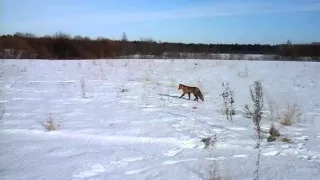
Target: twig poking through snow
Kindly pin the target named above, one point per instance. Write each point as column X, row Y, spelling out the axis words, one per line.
column 50, row 125
column 2, row 113
column 83, row 87
column 228, row 99
column 256, row 94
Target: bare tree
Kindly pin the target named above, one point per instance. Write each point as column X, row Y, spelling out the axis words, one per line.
column 124, row 37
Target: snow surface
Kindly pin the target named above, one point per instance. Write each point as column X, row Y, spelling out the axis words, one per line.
column 122, row 119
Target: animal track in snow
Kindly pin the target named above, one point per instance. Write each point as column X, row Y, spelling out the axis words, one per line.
column 93, row 171
column 302, row 138
column 65, row 153
column 300, row 129
column 240, row 156
column 132, row 159
column 26, row 99
column 150, row 109
column 98, row 138
column 173, row 152
column 216, row 158
column 169, row 162
column 238, row 128
column 125, row 101
column 136, row 171
column 270, row 152
column 126, row 161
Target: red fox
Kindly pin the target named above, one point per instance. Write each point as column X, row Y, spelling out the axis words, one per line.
column 188, row 89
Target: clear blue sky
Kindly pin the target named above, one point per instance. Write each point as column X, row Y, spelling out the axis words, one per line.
column 197, row 21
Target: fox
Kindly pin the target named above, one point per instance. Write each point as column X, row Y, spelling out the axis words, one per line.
column 189, row 89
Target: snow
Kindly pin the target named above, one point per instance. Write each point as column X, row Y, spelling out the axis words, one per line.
column 122, row 119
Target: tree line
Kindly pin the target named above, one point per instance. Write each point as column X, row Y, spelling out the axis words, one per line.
column 63, row 46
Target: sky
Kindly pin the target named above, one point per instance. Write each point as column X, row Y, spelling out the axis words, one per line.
column 196, row 21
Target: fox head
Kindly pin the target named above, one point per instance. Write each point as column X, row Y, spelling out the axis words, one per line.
column 180, row 86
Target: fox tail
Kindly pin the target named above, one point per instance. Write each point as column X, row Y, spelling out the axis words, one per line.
column 200, row 95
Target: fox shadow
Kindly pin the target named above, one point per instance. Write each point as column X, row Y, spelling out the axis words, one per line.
column 174, row 96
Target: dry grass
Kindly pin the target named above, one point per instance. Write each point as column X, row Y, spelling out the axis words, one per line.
column 2, row 110
column 287, row 140
column 209, row 141
column 255, row 113
column 214, row 174
column 1, row 114
column 274, row 134
column 50, row 125
column 273, row 131
column 217, row 172
column 290, row 115
column 228, row 100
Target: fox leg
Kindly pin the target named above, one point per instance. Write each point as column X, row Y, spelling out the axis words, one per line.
column 196, row 97
column 182, row 95
column 189, row 95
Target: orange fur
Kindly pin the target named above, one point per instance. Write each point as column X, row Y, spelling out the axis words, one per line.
column 188, row 90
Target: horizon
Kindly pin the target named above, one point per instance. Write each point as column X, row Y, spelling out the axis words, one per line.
column 154, row 40
column 179, row 21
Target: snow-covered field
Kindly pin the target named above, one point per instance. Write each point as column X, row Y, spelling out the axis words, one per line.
column 122, row 119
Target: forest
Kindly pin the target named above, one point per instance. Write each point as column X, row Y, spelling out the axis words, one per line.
column 63, row 46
